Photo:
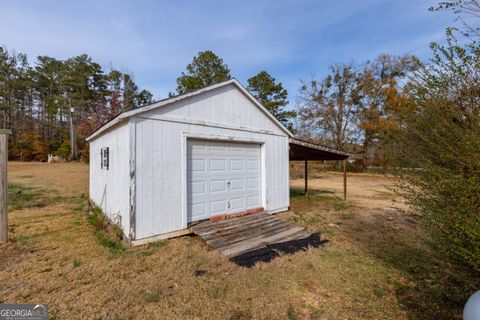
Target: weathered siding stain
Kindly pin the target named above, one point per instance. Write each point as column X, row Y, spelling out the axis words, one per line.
column 109, row 189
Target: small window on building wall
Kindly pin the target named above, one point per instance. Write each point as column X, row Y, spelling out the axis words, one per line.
column 104, row 158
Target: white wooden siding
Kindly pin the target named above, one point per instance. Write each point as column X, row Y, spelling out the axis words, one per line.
column 160, row 181
column 223, row 107
column 109, row 189
column 154, row 142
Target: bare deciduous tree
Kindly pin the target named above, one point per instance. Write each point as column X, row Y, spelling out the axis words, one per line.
column 328, row 108
column 467, row 12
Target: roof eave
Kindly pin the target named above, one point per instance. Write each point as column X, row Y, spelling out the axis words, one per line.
column 319, row 147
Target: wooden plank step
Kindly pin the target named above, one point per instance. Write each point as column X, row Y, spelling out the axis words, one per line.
column 221, row 242
column 266, row 233
column 235, row 228
column 247, row 230
column 232, row 220
column 208, row 225
column 242, row 228
column 259, row 241
column 261, row 235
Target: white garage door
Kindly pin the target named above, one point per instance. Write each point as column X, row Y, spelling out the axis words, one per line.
column 222, row 178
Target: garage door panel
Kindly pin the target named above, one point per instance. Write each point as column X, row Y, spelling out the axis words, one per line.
column 217, row 146
column 222, row 178
column 218, row 165
column 251, row 148
column 236, row 165
column 253, row 201
column 218, row 206
column 199, row 209
column 197, row 147
column 253, row 164
column 198, row 187
column 237, row 204
column 236, row 184
column 253, row 183
column 219, row 185
column 236, row 147
column 197, row 165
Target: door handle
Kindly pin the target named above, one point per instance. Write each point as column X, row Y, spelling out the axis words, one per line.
column 228, row 205
column 228, row 184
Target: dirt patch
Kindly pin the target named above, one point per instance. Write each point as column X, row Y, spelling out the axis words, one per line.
column 366, row 190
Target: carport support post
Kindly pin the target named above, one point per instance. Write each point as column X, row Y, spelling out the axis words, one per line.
column 306, row 177
column 3, row 184
column 345, row 179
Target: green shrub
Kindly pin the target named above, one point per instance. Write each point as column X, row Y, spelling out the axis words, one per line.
column 436, row 149
column 64, row 150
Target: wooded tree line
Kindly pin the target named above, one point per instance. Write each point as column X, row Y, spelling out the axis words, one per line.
column 349, row 109
column 38, row 101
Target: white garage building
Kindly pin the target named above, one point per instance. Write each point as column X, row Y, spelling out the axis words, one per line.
column 215, row 151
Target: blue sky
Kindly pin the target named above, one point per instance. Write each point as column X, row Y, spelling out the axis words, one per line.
column 155, row 40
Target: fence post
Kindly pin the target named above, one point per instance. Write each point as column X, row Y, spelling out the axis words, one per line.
column 306, row 177
column 345, row 179
column 3, row 184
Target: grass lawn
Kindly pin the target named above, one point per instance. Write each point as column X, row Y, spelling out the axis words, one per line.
column 378, row 264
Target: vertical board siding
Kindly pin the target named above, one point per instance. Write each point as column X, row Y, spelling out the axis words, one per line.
column 159, row 172
column 138, row 178
column 157, row 149
column 159, row 153
column 148, row 209
column 226, row 105
column 110, row 189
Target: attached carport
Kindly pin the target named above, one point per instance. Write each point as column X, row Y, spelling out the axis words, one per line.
column 304, row 151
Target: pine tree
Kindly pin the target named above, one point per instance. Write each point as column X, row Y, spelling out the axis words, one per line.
column 272, row 96
column 205, row 70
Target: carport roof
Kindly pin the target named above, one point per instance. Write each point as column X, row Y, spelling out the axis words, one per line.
column 304, row 150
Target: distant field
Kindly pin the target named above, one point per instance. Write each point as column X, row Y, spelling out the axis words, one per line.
column 376, row 264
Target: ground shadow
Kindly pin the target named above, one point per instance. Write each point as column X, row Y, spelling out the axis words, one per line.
column 296, row 192
column 272, row 251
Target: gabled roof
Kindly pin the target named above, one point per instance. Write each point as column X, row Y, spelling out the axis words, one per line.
column 127, row 114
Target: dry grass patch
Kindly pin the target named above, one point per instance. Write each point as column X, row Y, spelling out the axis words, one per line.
column 57, row 258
